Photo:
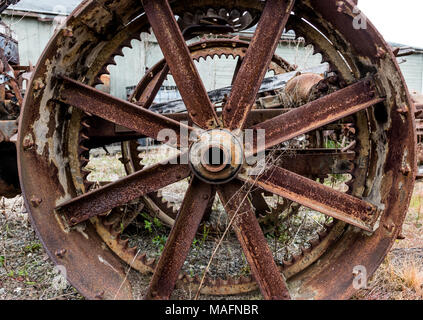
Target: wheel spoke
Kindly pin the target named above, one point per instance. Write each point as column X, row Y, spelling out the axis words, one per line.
column 316, row 196
column 253, row 242
column 120, row 112
column 150, row 93
column 180, row 240
column 256, row 62
column 118, row 193
column 180, row 62
column 318, row 113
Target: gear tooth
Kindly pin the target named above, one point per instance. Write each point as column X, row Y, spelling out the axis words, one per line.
column 297, row 256
column 289, row 262
column 124, row 243
column 83, row 149
column 128, row 44
column 84, row 137
column 114, row 232
column 307, row 248
column 150, row 262
column 314, row 242
column 83, row 159
column 104, row 71
column 329, row 224
column 88, row 185
column 119, row 52
column 243, row 280
column 110, row 230
column 85, row 124
column 322, row 233
column 108, row 222
column 132, row 251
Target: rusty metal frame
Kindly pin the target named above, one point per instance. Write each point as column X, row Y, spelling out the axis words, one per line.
column 388, row 184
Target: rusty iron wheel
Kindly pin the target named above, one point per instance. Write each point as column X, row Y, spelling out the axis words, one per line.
column 146, row 91
column 61, row 91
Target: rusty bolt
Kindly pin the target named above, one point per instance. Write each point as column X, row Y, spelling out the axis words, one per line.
column 205, row 196
column 204, row 45
column 73, row 220
column 35, row 201
column 60, row 253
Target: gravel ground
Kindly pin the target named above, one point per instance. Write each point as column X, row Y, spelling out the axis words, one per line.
column 26, row 272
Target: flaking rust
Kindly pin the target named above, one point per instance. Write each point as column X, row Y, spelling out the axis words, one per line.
column 361, row 96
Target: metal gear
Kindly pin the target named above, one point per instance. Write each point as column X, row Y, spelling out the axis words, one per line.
column 372, row 215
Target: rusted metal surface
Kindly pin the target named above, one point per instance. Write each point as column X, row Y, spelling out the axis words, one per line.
column 318, row 113
column 102, row 200
column 180, row 63
column 118, row 111
column 253, row 243
column 255, row 64
column 180, row 240
column 318, row 197
column 383, row 164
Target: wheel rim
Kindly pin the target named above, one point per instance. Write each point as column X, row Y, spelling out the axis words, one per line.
column 389, row 181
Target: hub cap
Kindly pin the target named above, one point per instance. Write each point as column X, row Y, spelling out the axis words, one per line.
column 216, row 157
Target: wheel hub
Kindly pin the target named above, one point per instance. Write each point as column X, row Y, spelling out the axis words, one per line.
column 216, row 157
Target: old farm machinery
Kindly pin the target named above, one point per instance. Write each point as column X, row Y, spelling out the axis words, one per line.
column 339, row 153
column 11, row 78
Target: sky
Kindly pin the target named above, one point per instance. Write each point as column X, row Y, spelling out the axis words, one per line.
column 398, row 21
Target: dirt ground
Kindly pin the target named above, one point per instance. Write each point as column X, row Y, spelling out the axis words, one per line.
column 26, row 272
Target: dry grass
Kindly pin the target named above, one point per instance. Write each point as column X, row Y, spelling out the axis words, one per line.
column 400, row 277
column 27, row 273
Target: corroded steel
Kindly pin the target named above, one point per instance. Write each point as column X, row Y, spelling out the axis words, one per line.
column 118, row 111
column 317, row 197
column 180, row 63
column 315, row 114
column 122, row 191
column 384, row 151
column 180, row 239
column 253, row 243
column 255, row 64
